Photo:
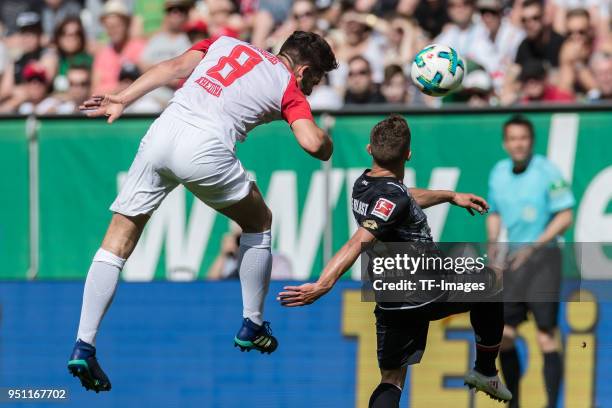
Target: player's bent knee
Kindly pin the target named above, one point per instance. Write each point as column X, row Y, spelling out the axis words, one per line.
column 123, row 234
column 508, row 338
column 547, row 340
column 395, row 377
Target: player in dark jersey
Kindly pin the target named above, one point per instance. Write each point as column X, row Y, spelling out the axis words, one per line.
column 387, row 211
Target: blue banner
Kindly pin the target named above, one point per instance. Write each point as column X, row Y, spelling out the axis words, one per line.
column 170, row 345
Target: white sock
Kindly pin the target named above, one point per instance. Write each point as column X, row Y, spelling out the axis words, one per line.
column 98, row 294
column 255, row 269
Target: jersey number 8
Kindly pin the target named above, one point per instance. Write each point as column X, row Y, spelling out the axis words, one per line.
column 237, row 69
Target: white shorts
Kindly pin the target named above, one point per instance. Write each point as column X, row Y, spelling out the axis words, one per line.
column 174, row 152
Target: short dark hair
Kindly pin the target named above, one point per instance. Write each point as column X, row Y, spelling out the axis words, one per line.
column 521, row 121
column 306, row 48
column 528, row 3
column 359, row 58
column 578, row 12
column 389, row 140
column 391, row 71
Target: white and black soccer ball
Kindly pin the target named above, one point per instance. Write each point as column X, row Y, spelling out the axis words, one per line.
column 437, row 70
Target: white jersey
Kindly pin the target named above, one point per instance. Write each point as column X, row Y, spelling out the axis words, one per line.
column 235, row 88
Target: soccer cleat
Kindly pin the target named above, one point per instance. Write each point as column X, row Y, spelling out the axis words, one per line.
column 253, row 336
column 84, row 365
column 492, row 386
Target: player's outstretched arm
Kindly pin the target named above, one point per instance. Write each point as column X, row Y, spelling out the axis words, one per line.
column 312, row 139
column 337, row 266
column 429, row 198
column 159, row 75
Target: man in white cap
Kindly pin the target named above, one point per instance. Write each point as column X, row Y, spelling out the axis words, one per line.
column 121, row 49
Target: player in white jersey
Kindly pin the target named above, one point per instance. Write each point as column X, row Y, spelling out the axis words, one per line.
column 231, row 88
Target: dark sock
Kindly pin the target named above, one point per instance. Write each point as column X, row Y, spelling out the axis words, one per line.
column 385, row 396
column 487, row 319
column 485, row 359
column 511, row 368
column 553, row 371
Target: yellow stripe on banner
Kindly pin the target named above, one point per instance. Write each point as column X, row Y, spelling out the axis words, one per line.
column 358, row 321
column 580, row 347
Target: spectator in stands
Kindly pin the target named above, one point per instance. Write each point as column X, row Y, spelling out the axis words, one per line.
column 574, row 71
column 92, row 14
column 361, row 88
column 478, row 89
column 223, row 19
column 304, row 16
column 196, row 30
column 10, row 11
column 79, row 89
column 324, row 96
column 271, row 13
column 357, row 37
column 121, row 50
column 225, row 265
column 467, row 36
column 504, row 35
column 535, row 86
column 404, row 39
column 599, row 11
column 36, row 90
column 30, row 36
column 432, row 16
column 395, row 85
column 56, row 11
column 541, row 43
column 6, row 72
column 602, row 70
column 69, row 41
column 171, row 41
column 150, row 103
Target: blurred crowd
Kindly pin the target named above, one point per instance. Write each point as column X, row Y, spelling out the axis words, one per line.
column 55, row 53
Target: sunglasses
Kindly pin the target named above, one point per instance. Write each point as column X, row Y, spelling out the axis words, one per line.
column 77, row 33
column 577, row 32
column 531, row 18
column 307, row 14
column 81, row 84
column 175, row 9
column 459, row 5
column 490, row 11
column 359, row 73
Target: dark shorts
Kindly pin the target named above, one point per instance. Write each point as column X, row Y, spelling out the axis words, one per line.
column 401, row 335
column 545, row 314
column 534, row 288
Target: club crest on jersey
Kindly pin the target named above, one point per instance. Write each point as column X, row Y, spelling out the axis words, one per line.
column 383, row 209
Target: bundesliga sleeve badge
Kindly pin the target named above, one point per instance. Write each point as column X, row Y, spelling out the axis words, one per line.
column 383, row 209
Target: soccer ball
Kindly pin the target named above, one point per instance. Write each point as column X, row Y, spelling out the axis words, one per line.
column 437, row 70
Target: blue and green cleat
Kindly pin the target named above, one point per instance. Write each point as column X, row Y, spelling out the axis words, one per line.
column 84, row 365
column 252, row 336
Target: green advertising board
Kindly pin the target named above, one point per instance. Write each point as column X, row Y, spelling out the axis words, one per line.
column 82, row 163
column 14, row 199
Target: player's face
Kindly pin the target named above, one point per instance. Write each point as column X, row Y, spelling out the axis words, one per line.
column 308, row 79
column 518, row 142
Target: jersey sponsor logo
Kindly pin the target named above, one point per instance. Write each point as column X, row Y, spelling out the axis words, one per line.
column 383, row 209
column 209, row 86
column 360, row 207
